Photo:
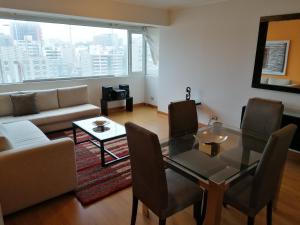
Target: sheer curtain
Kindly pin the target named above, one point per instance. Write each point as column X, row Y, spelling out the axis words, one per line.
column 152, row 38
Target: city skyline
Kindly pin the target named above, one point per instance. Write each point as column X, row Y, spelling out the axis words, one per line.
column 62, row 31
column 27, row 52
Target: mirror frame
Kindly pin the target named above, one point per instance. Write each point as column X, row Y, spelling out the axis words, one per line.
column 261, row 42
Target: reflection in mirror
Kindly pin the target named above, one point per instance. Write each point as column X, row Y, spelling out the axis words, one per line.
column 277, row 64
column 282, row 53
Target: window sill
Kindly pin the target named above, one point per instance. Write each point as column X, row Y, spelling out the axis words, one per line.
column 74, row 78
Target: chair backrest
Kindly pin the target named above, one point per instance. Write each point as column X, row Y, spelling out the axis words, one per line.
column 147, row 167
column 182, row 118
column 262, row 117
column 267, row 174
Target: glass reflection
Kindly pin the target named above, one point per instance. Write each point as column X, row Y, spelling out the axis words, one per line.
column 281, row 55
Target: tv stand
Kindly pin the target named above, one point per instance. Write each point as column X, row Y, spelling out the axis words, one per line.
column 104, row 105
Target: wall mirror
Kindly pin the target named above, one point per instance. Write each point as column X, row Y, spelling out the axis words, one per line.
column 277, row 63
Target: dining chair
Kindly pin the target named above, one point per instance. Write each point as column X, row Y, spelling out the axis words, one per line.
column 262, row 117
column 182, row 118
column 254, row 192
column 163, row 191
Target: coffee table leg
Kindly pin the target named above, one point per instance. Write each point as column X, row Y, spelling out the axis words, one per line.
column 74, row 135
column 102, row 154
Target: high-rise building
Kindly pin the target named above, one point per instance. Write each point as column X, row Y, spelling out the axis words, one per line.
column 57, row 67
column 19, row 31
column 107, row 40
column 5, row 40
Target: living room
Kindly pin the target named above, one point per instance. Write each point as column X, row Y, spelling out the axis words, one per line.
column 165, row 51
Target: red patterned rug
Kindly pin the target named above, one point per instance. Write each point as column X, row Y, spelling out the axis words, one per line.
column 94, row 181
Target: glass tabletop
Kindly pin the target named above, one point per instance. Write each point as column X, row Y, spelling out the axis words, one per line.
column 215, row 153
column 110, row 131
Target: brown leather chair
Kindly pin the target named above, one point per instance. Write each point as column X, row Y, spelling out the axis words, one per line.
column 164, row 192
column 182, row 118
column 262, row 117
column 253, row 193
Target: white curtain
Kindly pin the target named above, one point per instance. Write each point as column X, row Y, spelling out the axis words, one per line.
column 152, row 38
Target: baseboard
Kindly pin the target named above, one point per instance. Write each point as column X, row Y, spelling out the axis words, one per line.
column 162, row 113
column 150, row 105
column 121, row 108
column 294, row 155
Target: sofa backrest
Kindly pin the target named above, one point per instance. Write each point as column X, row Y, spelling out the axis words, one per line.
column 49, row 99
column 72, row 96
column 282, row 82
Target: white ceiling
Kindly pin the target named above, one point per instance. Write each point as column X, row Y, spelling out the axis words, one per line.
column 169, row 4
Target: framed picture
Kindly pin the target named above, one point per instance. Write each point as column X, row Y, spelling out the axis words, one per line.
column 276, row 57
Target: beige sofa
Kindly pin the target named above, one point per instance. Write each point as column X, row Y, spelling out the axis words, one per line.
column 58, row 108
column 32, row 167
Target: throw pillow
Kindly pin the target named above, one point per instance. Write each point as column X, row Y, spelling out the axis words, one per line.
column 24, row 104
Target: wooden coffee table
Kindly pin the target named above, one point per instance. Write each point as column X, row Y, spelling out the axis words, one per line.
column 100, row 135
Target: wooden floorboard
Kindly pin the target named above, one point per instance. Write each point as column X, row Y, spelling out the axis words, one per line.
column 116, row 209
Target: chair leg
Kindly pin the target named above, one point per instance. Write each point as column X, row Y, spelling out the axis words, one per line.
column 162, row 221
column 197, row 209
column 250, row 220
column 269, row 213
column 135, row 202
column 201, row 211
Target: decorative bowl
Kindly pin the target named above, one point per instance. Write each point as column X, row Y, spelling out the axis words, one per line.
column 101, row 123
column 211, row 138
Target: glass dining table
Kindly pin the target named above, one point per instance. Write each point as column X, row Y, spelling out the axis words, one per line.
column 214, row 157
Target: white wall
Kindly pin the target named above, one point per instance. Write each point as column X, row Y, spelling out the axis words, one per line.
column 151, row 89
column 136, row 85
column 212, row 49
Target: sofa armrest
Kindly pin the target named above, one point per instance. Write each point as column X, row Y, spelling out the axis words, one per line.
column 32, row 174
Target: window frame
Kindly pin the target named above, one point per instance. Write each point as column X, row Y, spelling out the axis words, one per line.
column 143, row 72
column 82, row 21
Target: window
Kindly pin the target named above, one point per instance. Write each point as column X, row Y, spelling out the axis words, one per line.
column 151, row 68
column 32, row 50
column 39, row 50
column 137, row 52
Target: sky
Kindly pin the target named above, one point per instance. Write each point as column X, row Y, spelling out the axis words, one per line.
column 66, row 32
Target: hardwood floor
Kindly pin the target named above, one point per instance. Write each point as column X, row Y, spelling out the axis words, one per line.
column 116, row 209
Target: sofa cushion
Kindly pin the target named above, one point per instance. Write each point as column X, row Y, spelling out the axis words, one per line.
column 280, row 82
column 72, row 96
column 23, row 133
column 6, row 108
column 24, row 104
column 57, row 115
column 46, row 99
